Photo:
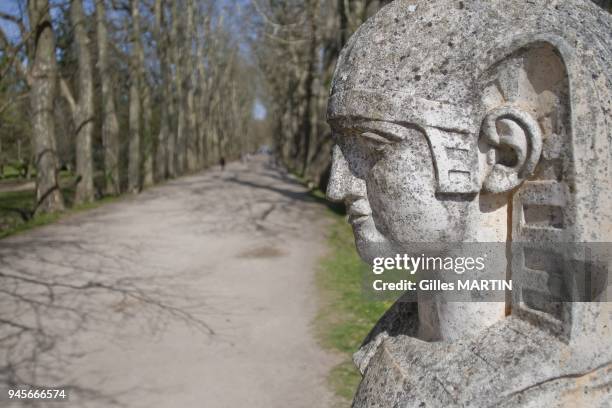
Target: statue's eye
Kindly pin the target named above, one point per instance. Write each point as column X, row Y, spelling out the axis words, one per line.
column 375, row 142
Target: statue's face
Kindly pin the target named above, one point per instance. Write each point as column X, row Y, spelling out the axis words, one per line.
column 411, row 170
column 384, row 173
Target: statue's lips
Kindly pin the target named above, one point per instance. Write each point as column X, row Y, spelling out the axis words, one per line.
column 357, row 219
column 358, row 211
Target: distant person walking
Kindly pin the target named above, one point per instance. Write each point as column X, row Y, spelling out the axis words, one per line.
column 222, row 163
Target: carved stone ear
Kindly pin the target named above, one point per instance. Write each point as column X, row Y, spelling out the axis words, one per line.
column 515, row 142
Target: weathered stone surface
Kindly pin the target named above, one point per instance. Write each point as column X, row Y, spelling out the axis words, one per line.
column 482, row 121
column 504, row 366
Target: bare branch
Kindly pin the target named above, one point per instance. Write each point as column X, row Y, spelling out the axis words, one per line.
column 17, row 20
column 286, row 41
column 12, row 61
column 67, row 94
column 271, row 23
column 12, row 101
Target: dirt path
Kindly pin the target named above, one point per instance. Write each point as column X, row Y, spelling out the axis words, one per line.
column 14, row 186
column 127, row 292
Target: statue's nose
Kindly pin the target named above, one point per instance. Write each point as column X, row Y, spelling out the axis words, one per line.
column 343, row 186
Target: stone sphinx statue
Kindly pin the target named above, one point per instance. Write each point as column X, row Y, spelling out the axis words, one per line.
column 483, row 121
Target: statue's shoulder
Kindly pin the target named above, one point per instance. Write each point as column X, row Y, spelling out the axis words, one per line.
column 512, row 364
column 400, row 319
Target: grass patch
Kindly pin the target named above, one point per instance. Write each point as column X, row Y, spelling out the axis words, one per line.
column 11, row 221
column 346, row 316
column 10, row 172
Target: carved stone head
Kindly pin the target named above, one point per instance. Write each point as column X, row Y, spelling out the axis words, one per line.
column 476, row 121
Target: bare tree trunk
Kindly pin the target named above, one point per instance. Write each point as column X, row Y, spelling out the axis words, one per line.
column 147, row 117
column 110, row 124
column 181, row 134
column 171, row 144
column 83, row 110
column 134, row 109
column 179, row 62
column 42, row 94
column 161, row 154
column 201, row 91
column 307, row 125
column 192, row 140
column 193, row 147
column 172, row 94
column 161, row 161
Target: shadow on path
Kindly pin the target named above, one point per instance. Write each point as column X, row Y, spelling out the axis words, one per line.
column 307, row 196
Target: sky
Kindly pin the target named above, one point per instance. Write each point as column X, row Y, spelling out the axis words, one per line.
column 10, row 29
column 259, row 110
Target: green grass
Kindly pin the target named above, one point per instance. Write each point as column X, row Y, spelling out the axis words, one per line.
column 346, row 316
column 10, row 172
column 11, row 222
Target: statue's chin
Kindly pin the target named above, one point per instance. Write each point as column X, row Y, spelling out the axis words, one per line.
column 371, row 243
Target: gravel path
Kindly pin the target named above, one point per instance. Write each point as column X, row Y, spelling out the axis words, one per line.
column 196, row 293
